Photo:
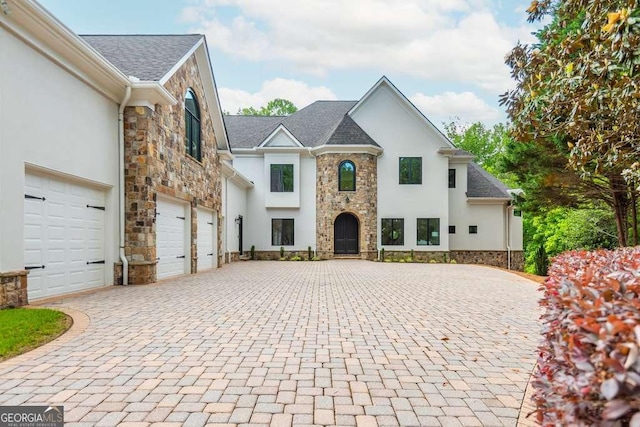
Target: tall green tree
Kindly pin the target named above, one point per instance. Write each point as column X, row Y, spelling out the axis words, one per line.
column 275, row 107
column 578, row 87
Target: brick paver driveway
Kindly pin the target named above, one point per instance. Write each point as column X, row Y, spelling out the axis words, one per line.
column 326, row 343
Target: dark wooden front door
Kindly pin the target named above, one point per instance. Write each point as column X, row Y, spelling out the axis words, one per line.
column 345, row 234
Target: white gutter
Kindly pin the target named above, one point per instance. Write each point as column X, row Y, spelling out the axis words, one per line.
column 123, row 258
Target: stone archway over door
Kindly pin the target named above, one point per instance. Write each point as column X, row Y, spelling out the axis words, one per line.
column 345, row 234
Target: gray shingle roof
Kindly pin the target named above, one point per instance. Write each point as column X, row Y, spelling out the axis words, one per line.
column 323, row 122
column 481, row 183
column 147, row 57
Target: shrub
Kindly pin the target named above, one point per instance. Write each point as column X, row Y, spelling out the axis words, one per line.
column 309, row 253
column 589, row 366
column 382, row 254
column 432, row 261
column 388, row 260
column 253, row 252
column 402, row 260
column 453, row 261
column 281, row 252
column 412, row 256
column 316, row 258
column 295, row 258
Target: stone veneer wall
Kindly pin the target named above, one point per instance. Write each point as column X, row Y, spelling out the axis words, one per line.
column 362, row 203
column 493, row 258
column 13, row 289
column 156, row 163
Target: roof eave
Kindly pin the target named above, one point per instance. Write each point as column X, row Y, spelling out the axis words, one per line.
column 234, row 176
column 347, row 148
column 38, row 28
column 488, row 200
column 149, row 93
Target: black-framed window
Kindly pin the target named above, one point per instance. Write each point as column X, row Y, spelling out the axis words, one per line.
column 281, row 178
column 347, row 176
column 452, row 229
column 410, row 170
column 392, row 231
column 517, row 212
column 428, row 231
column 473, row 229
column 193, row 143
column 282, row 232
column 452, row 178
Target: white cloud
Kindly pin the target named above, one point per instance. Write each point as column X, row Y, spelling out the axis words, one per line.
column 295, row 91
column 448, row 106
column 455, row 40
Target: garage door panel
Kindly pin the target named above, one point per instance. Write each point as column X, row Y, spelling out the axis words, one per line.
column 207, row 239
column 171, row 232
column 62, row 234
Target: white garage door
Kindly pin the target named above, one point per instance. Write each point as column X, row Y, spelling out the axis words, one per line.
column 171, row 238
column 207, row 239
column 64, row 236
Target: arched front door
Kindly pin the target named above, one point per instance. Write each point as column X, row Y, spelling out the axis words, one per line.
column 345, row 234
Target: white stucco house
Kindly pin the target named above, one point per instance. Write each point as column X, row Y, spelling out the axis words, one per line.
column 118, row 167
column 349, row 178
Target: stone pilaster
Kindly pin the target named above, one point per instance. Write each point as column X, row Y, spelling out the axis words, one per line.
column 156, row 163
column 362, row 203
column 13, row 289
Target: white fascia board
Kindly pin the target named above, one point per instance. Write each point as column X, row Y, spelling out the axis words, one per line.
column 488, row 200
column 280, row 128
column 149, row 93
column 42, row 31
column 234, row 176
column 348, row 149
column 211, row 94
column 225, row 155
column 404, row 100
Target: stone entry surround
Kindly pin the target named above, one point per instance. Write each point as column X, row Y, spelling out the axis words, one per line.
column 362, row 203
column 327, row 343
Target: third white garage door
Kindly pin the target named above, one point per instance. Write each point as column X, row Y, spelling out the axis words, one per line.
column 207, row 239
column 172, row 233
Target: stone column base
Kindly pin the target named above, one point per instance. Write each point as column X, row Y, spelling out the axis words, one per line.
column 13, row 289
column 140, row 272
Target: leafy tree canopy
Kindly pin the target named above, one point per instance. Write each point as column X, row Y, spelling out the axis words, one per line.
column 578, row 95
column 275, row 107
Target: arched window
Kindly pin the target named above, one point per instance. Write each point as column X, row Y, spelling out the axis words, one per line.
column 347, row 176
column 192, row 126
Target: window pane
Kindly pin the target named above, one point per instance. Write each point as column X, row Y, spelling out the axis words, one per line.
column 423, row 238
column 187, row 131
column 452, row 178
column 473, row 229
column 429, row 231
column 392, row 231
column 410, row 170
column 347, row 178
column 434, row 231
column 281, row 178
column 282, row 232
column 452, row 229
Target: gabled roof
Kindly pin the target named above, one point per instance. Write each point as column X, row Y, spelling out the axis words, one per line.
column 323, row 122
column 147, row 57
column 481, row 183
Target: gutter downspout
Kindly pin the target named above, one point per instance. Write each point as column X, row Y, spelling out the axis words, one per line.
column 508, row 211
column 123, row 258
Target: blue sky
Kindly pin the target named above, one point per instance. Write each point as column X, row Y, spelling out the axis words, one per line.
column 447, row 56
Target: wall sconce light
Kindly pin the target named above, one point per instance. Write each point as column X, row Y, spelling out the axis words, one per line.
column 347, row 199
column 238, row 219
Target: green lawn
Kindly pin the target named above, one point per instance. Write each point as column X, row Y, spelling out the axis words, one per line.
column 23, row 329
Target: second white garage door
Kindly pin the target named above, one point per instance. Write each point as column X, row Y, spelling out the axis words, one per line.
column 207, row 239
column 172, row 235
